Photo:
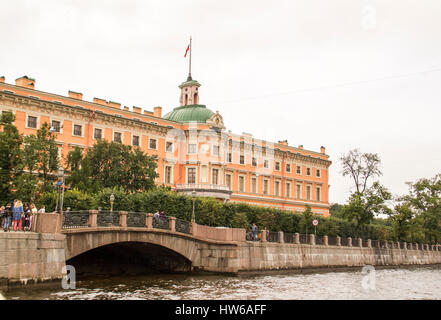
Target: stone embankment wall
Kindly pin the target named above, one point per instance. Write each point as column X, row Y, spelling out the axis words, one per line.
column 29, row 257
column 264, row 256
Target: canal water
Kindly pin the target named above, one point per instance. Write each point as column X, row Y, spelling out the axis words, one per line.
column 399, row 283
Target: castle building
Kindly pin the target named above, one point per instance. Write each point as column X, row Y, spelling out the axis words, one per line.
column 196, row 154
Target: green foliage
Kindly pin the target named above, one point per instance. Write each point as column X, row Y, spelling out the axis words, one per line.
column 74, row 199
column 10, row 155
column 109, row 165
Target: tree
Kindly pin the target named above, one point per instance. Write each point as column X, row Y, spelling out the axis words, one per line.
column 401, row 218
column 10, row 155
column 360, row 167
column 307, row 218
column 109, row 165
column 425, row 198
column 40, row 156
column 363, row 207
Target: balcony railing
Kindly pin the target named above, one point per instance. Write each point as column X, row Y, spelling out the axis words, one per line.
column 201, row 186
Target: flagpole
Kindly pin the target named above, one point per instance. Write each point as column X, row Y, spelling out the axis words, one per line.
column 189, row 68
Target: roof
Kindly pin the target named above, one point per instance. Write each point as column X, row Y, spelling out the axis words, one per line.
column 190, row 113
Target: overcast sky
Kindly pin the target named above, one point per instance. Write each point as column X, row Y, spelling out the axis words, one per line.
column 343, row 73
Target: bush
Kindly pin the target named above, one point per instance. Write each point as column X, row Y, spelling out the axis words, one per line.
column 74, row 199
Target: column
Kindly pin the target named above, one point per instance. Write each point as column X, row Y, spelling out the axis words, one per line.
column 312, row 240
column 325, row 240
column 281, row 239
column 349, row 242
column 297, row 238
column 369, row 243
column 264, row 233
column 93, row 218
column 149, row 220
column 339, row 241
column 172, row 223
column 123, row 219
column 360, row 242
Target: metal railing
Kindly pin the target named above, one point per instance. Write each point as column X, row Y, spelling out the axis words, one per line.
column 304, row 238
column 289, row 237
column 161, row 223
column 365, row 243
column 375, row 243
column 249, row 236
column 272, row 236
column 75, row 219
column 108, row 219
column 332, row 241
column 200, row 186
column 182, row 226
column 319, row 240
column 344, row 241
column 136, row 219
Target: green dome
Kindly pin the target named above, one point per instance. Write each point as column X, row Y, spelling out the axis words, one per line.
column 190, row 113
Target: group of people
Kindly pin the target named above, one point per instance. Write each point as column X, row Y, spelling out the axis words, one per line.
column 158, row 214
column 18, row 217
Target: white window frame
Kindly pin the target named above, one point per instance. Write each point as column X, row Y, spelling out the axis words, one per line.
column 310, row 171
column 299, row 194
column 73, row 130
column 218, row 176
column 113, row 136
column 37, row 122
column 275, row 165
column 196, row 175
column 277, row 190
column 257, row 185
column 288, row 194
column 139, row 140
column 244, row 160
column 171, row 174
column 195, row 150
column 102, row 133
column 310, row 195
column 286, row 167
column 238, row 183
column 319, row 189
column 156, row 144
column 212, row 150
column 318, row 173
column 231, row 180
column 263, row 186
column 266, row 164
column 297, row 171
column 61, row 124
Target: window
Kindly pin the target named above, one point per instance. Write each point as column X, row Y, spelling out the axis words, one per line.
column 299, row 170
column 266, row 164
column 288, row 190
column 169, row 146
column 192, row 148
column 241, row 183
column 56, row 126
column 265, row 186
column 117, row 137
column 152, row 144
column 318, row 193
column 32, row 122
column 228, row 180
column 317, row 173
column 253, row 185
column 277, row 166
column 98, row 134
column 277, row 188
column 288, row 167
column 214, row 176
column 308, row 171
column 215, row 150
column 191, row 175
column 229, row 157
column 167, row 176
column 298, row 191
column 254, row 162
column 77, row 130
column 308, row 192
column 242, row 159
column 135, row 141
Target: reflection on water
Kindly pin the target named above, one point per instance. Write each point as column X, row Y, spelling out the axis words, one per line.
column 408, row 283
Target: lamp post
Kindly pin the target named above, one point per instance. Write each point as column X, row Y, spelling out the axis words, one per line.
column 193, row 194
column 112, row 199
column 60, row 186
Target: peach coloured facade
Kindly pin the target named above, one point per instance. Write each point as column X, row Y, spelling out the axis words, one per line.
column 215, row 173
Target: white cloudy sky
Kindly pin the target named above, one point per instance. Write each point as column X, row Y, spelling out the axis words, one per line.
column 343, row 74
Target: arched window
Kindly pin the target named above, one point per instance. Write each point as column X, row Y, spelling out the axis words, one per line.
column 186, row 100
column 195, row 100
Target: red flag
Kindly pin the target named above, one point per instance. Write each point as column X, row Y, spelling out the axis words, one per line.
column 188, row 48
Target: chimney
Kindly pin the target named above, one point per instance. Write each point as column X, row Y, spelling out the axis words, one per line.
column 26, row 82
column 115, row 105
column 100, row 101
column 136, row 109
column 301, row 146
column 75, row 95
column 157, row 112
column 2, row 79
column 322, row 149
column 126, row 108
column 284, row 142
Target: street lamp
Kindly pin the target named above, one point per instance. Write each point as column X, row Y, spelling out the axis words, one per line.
column 193, row 194
column 112, row 199
column 60, row 187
